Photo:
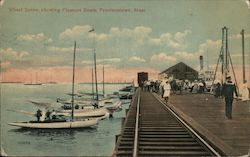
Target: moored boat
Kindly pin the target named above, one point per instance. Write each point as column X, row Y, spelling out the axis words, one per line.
column 84, row 113
column 62, row 124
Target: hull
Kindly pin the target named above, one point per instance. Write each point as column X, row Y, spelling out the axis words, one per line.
column 113, row 106
column 85, row 112
column 56, row 125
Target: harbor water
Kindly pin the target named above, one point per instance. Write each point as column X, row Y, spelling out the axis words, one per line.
column 95, row 141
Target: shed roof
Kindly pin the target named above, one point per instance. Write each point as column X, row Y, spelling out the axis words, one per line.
column 177, row 66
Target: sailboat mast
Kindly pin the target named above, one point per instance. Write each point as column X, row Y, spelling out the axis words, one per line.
column 73, row 82
column 96, row 88
column 243, row 56
column 93, row 96
column 92, row 30
column 103, row 80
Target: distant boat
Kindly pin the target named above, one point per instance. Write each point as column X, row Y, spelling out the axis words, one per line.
column 36, row 83
column 50, row 80
column 60, row 123
column 49, row 83
column 33, row 84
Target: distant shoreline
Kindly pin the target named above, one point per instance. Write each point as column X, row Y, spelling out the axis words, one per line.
column 67, row 83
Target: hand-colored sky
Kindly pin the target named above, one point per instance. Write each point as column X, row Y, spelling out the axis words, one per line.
column 163, row 34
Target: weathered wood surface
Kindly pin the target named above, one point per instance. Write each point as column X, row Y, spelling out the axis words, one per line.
column 209, row 112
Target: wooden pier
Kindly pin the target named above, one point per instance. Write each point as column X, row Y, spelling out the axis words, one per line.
column 189, row 125
column 206, row 114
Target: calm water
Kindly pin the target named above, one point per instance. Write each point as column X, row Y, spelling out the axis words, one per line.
column 97, row 141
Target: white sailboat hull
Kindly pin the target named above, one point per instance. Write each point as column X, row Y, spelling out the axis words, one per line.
column 112, row 105
column 56, row 125
column 85, row 112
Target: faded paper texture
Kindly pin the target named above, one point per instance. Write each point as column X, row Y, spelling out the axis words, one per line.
column 37, row 43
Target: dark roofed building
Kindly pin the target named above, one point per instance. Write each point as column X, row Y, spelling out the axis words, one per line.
column 181, row 71
column 141, row 77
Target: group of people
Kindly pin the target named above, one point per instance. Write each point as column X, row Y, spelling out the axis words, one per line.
column 150, row 85
column 49, row 115
column 226, row 90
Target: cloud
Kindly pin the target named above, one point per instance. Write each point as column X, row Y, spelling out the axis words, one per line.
column 175, row 41
column 68, row 49
column 136, row 37
column 112, row 60
column 76, row 32
column 179, row 36
column 238, row 36
column 103, row 61
column 172, row 57
column 209, row 45
column 138, row 31
column 102, row 37
column 82, row 31
column 185, row 55
column 136, row 59
column 34, row 38
column 162, row 57
column 9, row 54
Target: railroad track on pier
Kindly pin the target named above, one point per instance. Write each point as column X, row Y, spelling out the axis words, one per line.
column 153, row 129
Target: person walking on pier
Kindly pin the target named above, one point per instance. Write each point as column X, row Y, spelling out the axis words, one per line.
column 167, row 90
column 228, row 90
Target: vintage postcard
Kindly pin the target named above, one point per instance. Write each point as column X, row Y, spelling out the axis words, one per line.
column 125, row 77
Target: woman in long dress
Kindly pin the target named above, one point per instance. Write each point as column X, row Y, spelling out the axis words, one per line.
column 167, row 89
column 245, row 92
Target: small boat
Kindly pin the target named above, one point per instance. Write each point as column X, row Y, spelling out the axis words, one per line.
column 99, row 112
column 62, row 124
column 127, row 89
column 108, row 103
column 126, row 96
column 112, row 105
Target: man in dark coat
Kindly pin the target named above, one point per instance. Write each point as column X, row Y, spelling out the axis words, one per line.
column 38, row 114
column 228, row 90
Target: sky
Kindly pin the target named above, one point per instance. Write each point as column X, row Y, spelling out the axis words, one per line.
column 37, row 37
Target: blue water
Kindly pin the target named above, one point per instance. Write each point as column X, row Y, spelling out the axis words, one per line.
column 97, row 141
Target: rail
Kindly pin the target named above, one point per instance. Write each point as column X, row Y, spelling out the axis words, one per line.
column 152, row 129
column 137, row 125
column 189, row 128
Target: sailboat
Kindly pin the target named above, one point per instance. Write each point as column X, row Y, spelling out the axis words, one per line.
column 50, row 81
column 36, row 83
column 60, row 123
column 111, row 105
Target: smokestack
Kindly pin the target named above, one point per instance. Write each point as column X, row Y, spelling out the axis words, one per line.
column 201, row 63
